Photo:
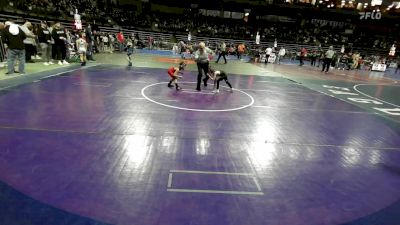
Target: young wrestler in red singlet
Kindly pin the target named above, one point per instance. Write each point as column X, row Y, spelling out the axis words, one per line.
column 173, row 73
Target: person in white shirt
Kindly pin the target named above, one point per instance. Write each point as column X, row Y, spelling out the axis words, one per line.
column 281, row 54
column 175, row 49
column 268, row 52
column 222, row 52
column 258, row 38
column 328, row 59
column 29, row 41
column 112, row 41
column 105, row 42
column 82, row 45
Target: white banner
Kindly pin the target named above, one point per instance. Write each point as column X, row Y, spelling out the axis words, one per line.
column 379, row 67
column 275, row 18
column 206, row 12
column 348, row 31
column 227, row 14
column 203, row 12
column 237, row 15
column 328, row 22
column 213, row 13
column 271, row 58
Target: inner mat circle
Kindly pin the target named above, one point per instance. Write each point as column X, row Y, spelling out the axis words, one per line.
column 202, row 101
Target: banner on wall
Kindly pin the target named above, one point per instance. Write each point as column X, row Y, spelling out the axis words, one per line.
column 213, row 13
column 203, row 12
column 328, row 23
column 348, row 31
column 271, row 58
column 378, row 67
column 206, row 12
column 275, row 18
column 227, row 14
column 237, row 15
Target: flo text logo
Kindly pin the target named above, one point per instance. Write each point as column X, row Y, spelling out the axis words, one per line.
column 371, row 15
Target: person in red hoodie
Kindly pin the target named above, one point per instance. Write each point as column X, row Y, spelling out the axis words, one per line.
column 151, row 42
column 303, row 54
column 121, row 41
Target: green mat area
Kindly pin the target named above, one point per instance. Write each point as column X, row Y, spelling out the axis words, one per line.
column 155, row 61
column 35, row 71
column 31, row 68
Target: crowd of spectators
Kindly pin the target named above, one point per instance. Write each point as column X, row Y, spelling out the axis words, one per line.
column 299, row 31
column 60, row 9
column 302, row 32
column 65, row 50
column 40, row 38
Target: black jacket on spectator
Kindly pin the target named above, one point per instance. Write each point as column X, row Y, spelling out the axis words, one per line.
column 89, row 34
column 57, row 33
column 44, row 35
column 13, row 41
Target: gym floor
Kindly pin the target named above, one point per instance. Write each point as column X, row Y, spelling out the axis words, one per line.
column 109, row 144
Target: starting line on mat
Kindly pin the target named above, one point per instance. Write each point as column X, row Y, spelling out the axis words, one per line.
column 208, row 191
